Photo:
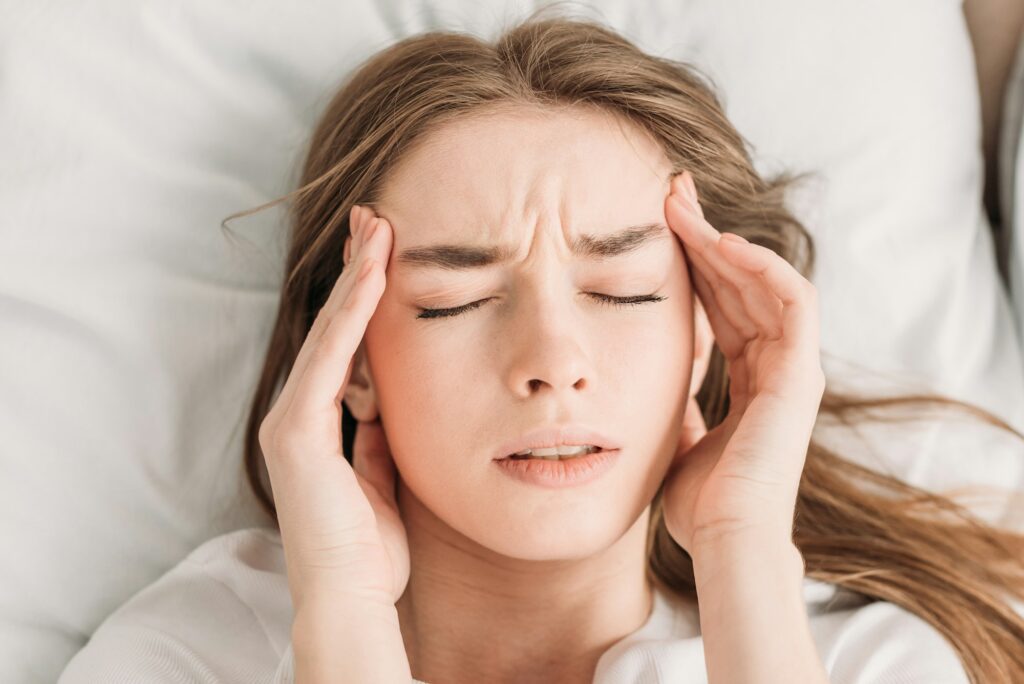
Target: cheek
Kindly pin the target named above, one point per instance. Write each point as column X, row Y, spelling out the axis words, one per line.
column 656, row 341
column 439, row 383
column 423, row 397
column 411, row 357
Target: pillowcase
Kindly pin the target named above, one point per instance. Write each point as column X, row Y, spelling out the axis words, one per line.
column 134, row 329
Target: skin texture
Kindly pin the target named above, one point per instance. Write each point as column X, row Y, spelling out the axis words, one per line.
column 559, row 573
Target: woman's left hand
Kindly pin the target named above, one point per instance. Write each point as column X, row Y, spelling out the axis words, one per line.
column 743, row 476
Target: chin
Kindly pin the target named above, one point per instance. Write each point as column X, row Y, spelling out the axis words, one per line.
column 556, row 526
column 571, row 534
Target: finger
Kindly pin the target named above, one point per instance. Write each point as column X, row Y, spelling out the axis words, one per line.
column 372, row 460
column 706, row 238
column 328, row 362
column 762, row 304
column 345, row 289
column 728, row 299
column 355, row 232
column 363, row 217
column 700, row 236
column 797, row 294
column 721, row 302
column 704, row 244
column 361, row 225
column 339, row 293
column 774, row 275
column 751, row 306
column 728, row 338
column 363, row 251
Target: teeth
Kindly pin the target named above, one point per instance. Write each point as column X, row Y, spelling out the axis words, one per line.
column 561, row 451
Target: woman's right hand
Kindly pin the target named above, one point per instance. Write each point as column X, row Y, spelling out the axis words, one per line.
column 340, row 527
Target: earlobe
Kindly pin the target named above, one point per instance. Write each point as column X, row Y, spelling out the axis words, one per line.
column 360, row 394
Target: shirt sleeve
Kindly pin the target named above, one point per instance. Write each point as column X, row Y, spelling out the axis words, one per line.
column 187, row 627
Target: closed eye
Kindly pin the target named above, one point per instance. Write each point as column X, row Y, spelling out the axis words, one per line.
column 604, row 299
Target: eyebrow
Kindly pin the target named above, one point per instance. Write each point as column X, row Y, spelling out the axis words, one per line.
column 584, row 246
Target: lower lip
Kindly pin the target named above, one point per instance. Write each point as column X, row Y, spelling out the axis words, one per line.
column 570, row 472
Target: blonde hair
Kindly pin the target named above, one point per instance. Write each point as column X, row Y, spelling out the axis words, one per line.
column 865, row 531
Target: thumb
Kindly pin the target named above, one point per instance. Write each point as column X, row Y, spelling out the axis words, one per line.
column 371, row 458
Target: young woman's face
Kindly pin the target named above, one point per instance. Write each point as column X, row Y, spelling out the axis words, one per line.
column 542, row 349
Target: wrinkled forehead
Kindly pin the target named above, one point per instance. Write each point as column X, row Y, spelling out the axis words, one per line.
column 493, row 177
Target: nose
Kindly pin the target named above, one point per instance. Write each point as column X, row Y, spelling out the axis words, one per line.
column 549, row 349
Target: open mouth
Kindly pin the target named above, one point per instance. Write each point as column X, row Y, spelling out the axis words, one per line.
column 552, row 454
column 546, row 467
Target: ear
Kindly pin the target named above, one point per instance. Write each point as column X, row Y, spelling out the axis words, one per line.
column 703, row 343
column 360, row 393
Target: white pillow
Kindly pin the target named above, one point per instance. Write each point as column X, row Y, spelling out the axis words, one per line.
column 1011, row 184
column 133, row 331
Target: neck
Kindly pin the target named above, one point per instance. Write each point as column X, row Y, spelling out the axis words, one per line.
column 470, row 614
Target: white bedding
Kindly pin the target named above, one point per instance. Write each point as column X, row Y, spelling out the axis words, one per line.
column 133, row 331
column 1011, row 185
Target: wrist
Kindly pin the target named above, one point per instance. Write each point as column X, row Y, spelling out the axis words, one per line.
column 720, row 549
column 329, row 609
column 319, row 597
column 735, row 535
column 752, row 613
column 348, row 638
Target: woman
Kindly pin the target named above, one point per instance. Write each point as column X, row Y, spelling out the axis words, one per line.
column 502, row 249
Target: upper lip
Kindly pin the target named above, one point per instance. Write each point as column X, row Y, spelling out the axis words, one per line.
column 555, row 435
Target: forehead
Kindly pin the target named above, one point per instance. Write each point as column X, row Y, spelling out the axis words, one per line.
column 485, row 177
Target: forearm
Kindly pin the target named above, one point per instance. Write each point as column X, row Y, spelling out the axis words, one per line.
column 752, row 614
column 348, row 640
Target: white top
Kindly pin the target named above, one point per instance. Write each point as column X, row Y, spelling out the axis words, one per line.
column 224, row 615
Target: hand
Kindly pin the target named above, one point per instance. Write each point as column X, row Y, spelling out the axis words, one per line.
column 340, row 526
column 744, row 474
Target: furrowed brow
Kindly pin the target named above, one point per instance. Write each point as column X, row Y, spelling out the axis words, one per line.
column 584, row 246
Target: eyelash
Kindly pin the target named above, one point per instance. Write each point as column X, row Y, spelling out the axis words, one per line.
column 604, row 299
